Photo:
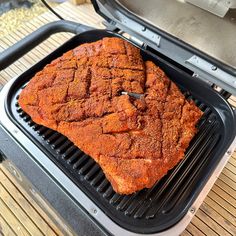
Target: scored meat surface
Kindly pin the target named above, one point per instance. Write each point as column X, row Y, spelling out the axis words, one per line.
column 134, row 140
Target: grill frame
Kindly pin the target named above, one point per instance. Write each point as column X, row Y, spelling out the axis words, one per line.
column 101, row 33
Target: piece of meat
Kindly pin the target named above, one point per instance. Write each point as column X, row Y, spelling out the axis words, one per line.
column 135, row 141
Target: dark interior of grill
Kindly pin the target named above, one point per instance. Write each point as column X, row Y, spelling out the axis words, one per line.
column 163, row 205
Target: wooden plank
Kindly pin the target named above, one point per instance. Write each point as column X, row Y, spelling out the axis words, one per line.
column 232, row 161
column 229, row 174
column 229, row 218
column 11, row 220
column 228, row 207
column 198, row 223
column 224, row 195
column 5, row 228
column 227, row 181
column 234, row 155
column 25, row 205
column 84, row 14
column 232, row 168
column 218, row 229
column 220, row 220
column 232, row 103
column 18, row 212
column 186, row 233
column 194, row 230
column 3, row 79
column 226, row 188
column 43, row 215
column 232, row 97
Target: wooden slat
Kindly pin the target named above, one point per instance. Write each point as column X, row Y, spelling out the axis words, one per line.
column 228, row 207
column 186, row 233
column 218, row 219
column 232, row 161
column 10, row 218
column 234, row 155
column 223, row 194
column 5, row 228
column 228, row 181
column 230, row 177
column 37, row 208
column 233, row 98
column 203, row 227
column 25, row 205
column 19, row 212
column 226, row 188
column 194, row 230
column 232, row 168
column 229, row 218
column 218, row 229
column 28, row 198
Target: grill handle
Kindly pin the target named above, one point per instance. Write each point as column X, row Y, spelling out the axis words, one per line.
column 19, row 49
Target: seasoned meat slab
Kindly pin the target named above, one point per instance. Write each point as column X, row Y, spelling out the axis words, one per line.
column 135, row 140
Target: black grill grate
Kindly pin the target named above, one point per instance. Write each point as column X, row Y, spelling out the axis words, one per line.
column 146, row 205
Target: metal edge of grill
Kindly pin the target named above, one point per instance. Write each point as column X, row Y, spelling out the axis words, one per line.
column 50, row 137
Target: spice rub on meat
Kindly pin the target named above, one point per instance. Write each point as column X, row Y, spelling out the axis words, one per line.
column 135, row 141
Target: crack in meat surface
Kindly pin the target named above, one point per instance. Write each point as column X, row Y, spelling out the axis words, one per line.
column 135, row 141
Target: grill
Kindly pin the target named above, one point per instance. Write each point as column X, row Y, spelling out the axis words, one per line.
column 71, row 182
column 150, row 210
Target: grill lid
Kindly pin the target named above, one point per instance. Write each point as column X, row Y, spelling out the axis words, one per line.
column 195, row 38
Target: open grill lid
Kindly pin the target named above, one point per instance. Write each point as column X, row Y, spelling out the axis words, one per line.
column 192, row 36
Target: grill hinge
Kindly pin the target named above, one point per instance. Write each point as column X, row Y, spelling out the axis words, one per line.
column 137, row 41
column 211, row 74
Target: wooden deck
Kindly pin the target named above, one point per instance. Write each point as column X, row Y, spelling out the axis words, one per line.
column 20, row 215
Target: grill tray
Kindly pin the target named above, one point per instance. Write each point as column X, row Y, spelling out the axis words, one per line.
column 150, row 210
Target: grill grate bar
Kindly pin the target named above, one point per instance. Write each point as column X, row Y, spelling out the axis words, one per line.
column 67, row 144
column 116, row 199
column 42, row 130
column 58, row 142
column 69, row 152
column 87, row 166
column 82, row 158
column 109, row 193
column 103, row 186
column 97, row 180
column 72, row 160
column 92, row 172
column 47, row 134
column 51, row 139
